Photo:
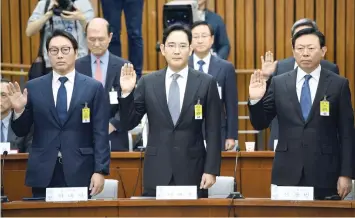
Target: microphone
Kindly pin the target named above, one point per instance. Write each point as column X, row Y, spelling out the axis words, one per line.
column 235, row 194
column 3, row 197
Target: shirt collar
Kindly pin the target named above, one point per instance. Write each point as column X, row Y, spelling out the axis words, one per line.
column 70, row 76
column 103, row 58
column 206, row 59
column 6, row 120
column 183, row 73
column 315, row 73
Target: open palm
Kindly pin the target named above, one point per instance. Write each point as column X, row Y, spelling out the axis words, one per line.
column 268, row 65
column 17, row 98
column 128, row 78
column 257, row 86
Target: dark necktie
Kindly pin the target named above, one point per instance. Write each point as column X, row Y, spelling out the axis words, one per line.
column 200, row 63
column 306, row 100
column 62, row 100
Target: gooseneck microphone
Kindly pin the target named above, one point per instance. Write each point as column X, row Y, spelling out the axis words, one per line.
column 3, row 197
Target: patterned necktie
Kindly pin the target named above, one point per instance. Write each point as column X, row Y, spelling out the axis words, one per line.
column 305, row 100
column 62, row 100
column 200, row 63
column 98, row 72
column 174, row 99
column 2, row 132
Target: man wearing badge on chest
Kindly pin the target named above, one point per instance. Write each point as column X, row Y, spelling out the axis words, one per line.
column 176, row 100
column 313, row 105
column 70, row 112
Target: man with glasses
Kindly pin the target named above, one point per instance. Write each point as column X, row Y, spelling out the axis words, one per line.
column 223, row 71
column 70, row 114
column 177, row 100
column 21, row 144
column 105, row 67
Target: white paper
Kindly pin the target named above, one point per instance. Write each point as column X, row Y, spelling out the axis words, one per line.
column 275, row 143
column 250, row 146
column 220, row 91
column 4, row 146
column 176, row 192
column 113, row 97
column 66, row 194
column 292, row 193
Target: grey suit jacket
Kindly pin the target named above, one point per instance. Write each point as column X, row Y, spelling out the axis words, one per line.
column 22, row 144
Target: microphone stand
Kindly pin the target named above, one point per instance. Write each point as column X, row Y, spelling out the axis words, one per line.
column 4, row 198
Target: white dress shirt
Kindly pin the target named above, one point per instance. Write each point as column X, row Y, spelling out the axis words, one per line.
column 313, row 82
column 206, row 59
column 69, row 86
column 181, row 80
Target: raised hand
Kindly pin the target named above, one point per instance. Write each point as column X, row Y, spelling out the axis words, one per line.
column 17, row 98
column 128, row 78
column 257, row 86
column 268, row 65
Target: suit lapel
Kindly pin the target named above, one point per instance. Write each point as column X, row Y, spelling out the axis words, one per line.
column 78, row 91
column 214, row 67
column 323, row 84
column 160, row 93
column 86, row 66
column 110, row 74
column 47, row 92
column 192, row 85
column 191, row 62
column 292, row 93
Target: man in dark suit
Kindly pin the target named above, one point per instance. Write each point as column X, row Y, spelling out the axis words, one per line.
column 70, row 114
column 221, row 45
column 271, row 68
column 224, row 72
column 106, row 68
column 21, row 144
column 176, row 100
column 315, row 114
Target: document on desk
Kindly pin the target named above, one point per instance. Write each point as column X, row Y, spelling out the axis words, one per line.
column 66, row 194
column 292, row 193
column 176, row 192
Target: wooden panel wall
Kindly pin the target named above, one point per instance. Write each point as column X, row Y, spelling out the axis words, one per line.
column 253, row 26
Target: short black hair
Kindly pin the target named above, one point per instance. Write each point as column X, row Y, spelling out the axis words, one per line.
column 108, row 28
column 303, row 22
column 177, row 27
column 203, row 23
column 59, row 32
column 309, row 31
column 3, row 80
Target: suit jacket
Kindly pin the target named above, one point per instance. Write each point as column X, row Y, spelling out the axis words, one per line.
column 22, row 144
column 84, row 146
column 321, row 146
column 178, row 151
column 118, row 138
column 224, row 73
column 221, row 43
column 284, row 66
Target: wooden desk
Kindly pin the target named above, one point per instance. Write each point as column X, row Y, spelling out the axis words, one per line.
column 182, row 208
column 253, row 174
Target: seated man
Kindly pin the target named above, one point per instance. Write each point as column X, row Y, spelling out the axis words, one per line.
column 21, row 144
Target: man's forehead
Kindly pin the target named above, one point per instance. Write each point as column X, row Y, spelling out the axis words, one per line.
column 177, row 37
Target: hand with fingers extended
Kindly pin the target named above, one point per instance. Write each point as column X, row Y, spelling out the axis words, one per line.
column 257, row 86
column 128, row 78
column 268, row 65
column 17, row 98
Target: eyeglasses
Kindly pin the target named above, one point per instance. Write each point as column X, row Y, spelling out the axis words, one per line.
column 172, row 46
column 54, row 51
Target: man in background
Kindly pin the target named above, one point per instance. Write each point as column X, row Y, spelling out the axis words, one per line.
column 105, row 67
column 224, row 73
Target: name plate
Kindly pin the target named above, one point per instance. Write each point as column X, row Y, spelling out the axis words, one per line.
column 66, row 194
column 176, row 192
column 292, row 193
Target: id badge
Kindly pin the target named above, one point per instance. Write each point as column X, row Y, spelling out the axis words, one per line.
column 86, row 114
column 113, row 96
column 198, row 111
column 324, row 107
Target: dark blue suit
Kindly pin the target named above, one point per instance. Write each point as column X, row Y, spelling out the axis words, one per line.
column 84, row 146
column 221, row 43
column 284, row 66
column 224, row 73
column 118, row 138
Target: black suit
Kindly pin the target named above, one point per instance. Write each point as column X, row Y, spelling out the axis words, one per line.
column 118, row 138
column 284, row 66
column 176, row 152
column 314, row 152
